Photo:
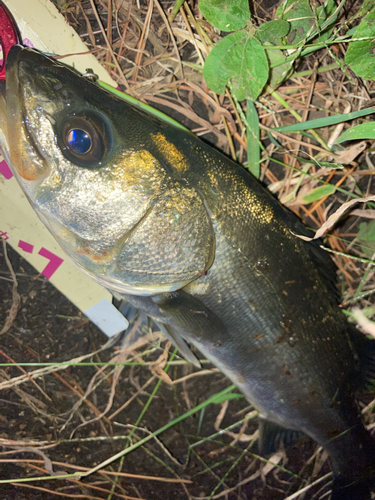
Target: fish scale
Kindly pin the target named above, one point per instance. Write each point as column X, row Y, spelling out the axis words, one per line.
column 201, row 247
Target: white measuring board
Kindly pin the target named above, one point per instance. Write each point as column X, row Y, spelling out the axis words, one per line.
column 43, row 27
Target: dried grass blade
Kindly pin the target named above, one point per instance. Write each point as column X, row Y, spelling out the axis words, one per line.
column 331, row 221
column 16, row 304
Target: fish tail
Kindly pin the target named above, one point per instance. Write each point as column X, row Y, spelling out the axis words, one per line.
column 353, row 455
column 355, row 479
column 355, row 491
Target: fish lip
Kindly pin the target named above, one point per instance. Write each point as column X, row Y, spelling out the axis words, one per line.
column 12, row 57
column 35, row 58
column 18, row 129
column 12, row 80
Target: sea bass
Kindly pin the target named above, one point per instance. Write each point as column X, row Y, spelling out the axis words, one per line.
column 166, row 221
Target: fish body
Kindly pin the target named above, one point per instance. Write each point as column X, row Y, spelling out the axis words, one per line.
column 182, row 232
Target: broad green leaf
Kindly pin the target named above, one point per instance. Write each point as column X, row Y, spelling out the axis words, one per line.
column 364, row 131
column 319, row 193
column 351, row 32
column 366, row 238
column 360, row 55
column 240, row 62
column 273, row 31
column 367, row 231
column 280, row 70
column 226, row 15
column 300, row 16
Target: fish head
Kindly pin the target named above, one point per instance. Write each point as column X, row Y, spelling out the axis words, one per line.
column 90, row 168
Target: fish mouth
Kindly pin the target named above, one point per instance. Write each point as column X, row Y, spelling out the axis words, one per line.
column 26, row 157
column 12, row 56
column 36, row 88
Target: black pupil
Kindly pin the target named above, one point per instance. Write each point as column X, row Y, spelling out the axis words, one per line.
column 79, row 141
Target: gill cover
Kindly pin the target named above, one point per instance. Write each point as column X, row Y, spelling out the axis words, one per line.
column 113, row 196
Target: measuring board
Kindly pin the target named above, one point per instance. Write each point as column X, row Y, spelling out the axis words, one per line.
column 44, row 28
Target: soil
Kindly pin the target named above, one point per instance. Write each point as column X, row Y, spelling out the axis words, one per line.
column 48, row 328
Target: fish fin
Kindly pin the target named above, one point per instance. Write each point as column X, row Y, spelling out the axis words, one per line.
column 356, row 491
column 127, row 310
column 180, row 343
column 352, row 455
column 189, row 315
column 364, row 348
column 272, row 435
column 183, row 318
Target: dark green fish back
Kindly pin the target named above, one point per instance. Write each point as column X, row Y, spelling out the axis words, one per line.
column 283, row 339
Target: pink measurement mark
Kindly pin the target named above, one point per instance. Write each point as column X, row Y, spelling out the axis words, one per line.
column 53, row 265
column 4, row 236
column 5, row 170
column 27, row 42
column 27, row 247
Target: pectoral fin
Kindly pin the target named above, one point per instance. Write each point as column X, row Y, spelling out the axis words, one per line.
column 191, row 316
column 180, row 343
column 182, row 318
column 272, row 435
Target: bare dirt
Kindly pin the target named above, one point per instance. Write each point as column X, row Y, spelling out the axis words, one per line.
column 48, row 328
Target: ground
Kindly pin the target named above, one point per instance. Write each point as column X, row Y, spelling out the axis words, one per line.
column 49, row 329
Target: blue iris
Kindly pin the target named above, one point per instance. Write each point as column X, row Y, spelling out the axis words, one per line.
column 79, row 141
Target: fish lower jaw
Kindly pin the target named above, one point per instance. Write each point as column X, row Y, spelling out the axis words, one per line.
column 117, row 286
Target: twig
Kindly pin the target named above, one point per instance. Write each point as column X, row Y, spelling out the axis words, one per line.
column 16, row 304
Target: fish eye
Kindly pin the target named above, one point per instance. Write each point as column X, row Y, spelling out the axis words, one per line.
column 79, row 141
column 84, row 140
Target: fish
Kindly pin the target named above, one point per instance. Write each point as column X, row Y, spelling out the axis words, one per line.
column 182, row 232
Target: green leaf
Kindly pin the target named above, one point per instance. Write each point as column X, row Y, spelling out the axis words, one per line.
column 139, row 104
column 273, row 140
column 273, row 31
column 319, row 193
column 364, row 131
column 226, row 15
column 360, row 55
column 253, row 141
column 326, row 121
column 366, row 238
column 280, row 69
column 366, row 7
column 300, row 16
column 226, row 397
column 366, row 231
column 240, row 62
column 325, row 12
